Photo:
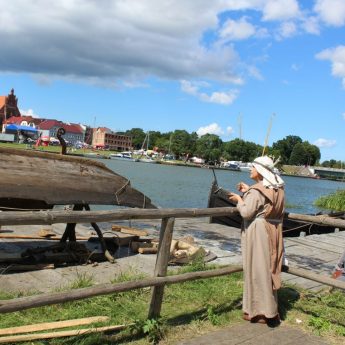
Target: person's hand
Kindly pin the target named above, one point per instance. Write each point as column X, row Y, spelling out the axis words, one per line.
column 235, row 198
column 242, row 187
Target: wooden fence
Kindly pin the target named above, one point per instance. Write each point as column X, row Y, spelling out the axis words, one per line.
column 159, row 280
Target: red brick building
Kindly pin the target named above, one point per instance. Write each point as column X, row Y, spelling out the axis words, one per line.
column 104, row 138
column 8, row 107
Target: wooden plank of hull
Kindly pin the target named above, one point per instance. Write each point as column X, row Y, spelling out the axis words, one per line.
column 34, row 178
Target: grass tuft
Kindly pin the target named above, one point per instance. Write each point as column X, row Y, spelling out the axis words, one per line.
column 334, row 201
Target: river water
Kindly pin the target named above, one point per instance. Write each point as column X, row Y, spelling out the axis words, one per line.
column 178, row 186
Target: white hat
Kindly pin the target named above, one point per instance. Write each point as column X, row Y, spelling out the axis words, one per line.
column 265, row 167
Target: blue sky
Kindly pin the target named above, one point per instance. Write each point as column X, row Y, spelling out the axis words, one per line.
column 199, row 65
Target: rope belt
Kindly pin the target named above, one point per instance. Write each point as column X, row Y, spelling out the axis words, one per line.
column 271, row 220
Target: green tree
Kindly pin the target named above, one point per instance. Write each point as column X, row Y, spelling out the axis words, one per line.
column 209, row 147
column 240, row 150
column 304, row 154
column 154, row 136
column 298, row 155
column 138, row 136
column 285, row 147
column 181, row 143
column 313, row 153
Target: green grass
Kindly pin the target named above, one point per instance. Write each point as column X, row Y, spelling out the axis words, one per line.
column 54, row 149
column 188, row 308
column 334, row 201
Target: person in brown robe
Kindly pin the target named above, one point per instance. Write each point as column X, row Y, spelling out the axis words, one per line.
column 262, row 208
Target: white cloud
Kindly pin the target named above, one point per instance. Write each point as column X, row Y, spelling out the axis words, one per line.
column 311, row 25
column 115, row 42
column 28, row 112
column 255, row 73
column 280, row 10
column 327, row 143
column 237, row 30
column 344, row 116
column 213, row 128
column 224, row 97
column 229, row 130
column 332, row 12
column 337, row 57
column 287, row 29
column 295, row 67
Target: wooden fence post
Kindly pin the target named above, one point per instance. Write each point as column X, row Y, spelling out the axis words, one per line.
column 161, row 267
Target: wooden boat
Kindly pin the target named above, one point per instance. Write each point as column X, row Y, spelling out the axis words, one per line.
column 40, row 180
column 218, row 197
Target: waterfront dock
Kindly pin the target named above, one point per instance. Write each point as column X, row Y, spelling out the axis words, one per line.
column 317, row 253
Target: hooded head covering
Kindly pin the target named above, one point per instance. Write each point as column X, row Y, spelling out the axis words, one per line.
column 265, row 167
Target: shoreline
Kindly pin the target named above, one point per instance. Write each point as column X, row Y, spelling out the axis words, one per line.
column 205, row 166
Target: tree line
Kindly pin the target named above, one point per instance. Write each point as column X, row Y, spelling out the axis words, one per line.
column 291, row 150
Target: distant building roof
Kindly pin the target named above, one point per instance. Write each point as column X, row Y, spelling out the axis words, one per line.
column 20, row 119
column 70, row 128
column 104, row 129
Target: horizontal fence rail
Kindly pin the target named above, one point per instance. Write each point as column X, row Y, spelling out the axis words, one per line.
column 53, row 217
column 7, row 306
column 300, row 272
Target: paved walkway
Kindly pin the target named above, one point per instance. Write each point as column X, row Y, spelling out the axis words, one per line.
column 246, row 333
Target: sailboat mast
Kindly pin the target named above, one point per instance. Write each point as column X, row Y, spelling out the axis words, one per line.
column 268, row 134
column 170, row 144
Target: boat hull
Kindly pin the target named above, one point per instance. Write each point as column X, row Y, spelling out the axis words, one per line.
column 40, row 180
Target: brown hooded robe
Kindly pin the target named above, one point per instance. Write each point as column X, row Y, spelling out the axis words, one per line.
column 262, row 248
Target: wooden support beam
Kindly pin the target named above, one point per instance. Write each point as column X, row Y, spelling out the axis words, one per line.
column 161, row 267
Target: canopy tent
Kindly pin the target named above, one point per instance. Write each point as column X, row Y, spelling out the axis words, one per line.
column 13, row 127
